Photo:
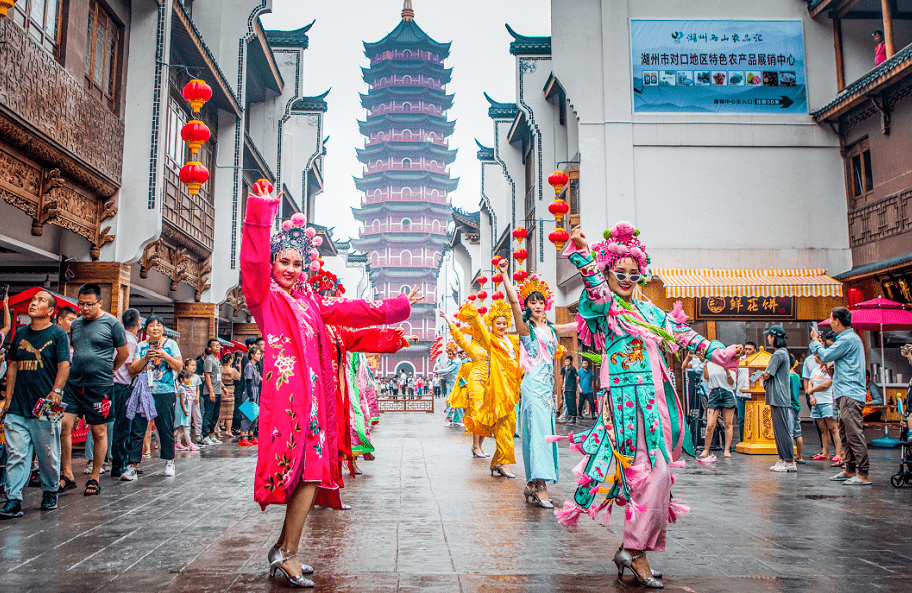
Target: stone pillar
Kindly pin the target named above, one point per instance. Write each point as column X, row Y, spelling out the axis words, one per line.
column 195, row 322
column 112, row 277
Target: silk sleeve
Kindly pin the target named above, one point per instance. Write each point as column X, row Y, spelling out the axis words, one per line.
column 360, row 313
column 256, row 255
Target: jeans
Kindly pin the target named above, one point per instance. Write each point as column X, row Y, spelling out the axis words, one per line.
column 25, row 436
column 164, row 422
column 739, row 403
column 570, row 404
column 90, row 443
column 211, row 413
column 119, row 438
column 240, row 391
column 587, row 397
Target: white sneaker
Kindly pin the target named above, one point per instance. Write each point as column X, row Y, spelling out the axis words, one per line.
column 786, row 467
column 775, row 468
column 215, row 441
column 169, row 468
column 88, row 470
column 208, row 441
column 129, row 474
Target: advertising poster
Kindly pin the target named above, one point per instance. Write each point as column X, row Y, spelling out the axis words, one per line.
column 718, row 67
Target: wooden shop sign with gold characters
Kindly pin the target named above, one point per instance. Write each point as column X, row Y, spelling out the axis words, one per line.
column 745, row 308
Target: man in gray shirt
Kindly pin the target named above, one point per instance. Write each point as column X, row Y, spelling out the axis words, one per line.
column 212, row 380
column 779, row 398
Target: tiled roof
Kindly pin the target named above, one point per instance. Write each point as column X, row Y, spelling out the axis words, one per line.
column 471, row 219
column 501, row 110
column 295, row 38
column 866, row 83
column 317, row 103
column 883, row 264
column 484, row 153
column 407, row 34
column 524, row 45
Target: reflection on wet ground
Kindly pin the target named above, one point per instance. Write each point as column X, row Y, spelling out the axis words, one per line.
column 428, row 517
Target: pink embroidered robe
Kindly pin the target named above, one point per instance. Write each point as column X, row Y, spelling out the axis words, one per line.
column 298, row 426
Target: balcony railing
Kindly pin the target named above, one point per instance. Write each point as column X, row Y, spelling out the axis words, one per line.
column 428, row 109
column 430, row 84
column 413, row 167
column 421, row 57
column 380, row 138
column 435, row 198
column 192, row 215
column 399, row 228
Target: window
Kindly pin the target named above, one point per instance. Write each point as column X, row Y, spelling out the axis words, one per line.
column 41, row 18
column 406, row 224
column 859, row 173
column 102, row 52
column 176, row 151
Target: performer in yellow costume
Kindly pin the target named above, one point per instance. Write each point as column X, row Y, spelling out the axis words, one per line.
column 476, row 377
column 497, row 415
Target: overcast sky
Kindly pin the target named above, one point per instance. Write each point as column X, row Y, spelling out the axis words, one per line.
column 480, row 58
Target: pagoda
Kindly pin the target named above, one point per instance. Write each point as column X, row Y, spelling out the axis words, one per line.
column 406, row 182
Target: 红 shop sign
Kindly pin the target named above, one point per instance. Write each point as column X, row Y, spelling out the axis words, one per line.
column 745, row 308
column 718, row 66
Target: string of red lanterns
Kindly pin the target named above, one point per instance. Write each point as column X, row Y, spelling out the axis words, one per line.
column 559, row 208
column 195, row 133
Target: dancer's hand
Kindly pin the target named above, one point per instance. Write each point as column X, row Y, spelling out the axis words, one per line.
column 503, row 266
column 579, row 239
column 415, row 296
column 446, row 318
column 260, row 190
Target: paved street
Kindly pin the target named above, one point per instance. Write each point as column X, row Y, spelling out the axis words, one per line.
column 427, row 517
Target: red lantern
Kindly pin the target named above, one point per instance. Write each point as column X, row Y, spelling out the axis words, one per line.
column 197, row 92
column 195, row 133
column 471, row 297
column 497, row 296
column 482, row 295
column 520, row 255
column 854, row 296
column 558, row 208
column 496, row 260
column 5, row 5
column 482, row 280
column 559, row 237
column 496, row 279
column 264, row 185
column 482, row 310
column 558, row 180
column 519, row 234
column 193, row 175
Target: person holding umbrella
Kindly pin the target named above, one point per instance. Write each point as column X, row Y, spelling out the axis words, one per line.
column 847, row 354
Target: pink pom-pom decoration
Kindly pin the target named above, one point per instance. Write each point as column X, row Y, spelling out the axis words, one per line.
column 310, row 232
column 318, row 241
column 622, row 229
column 298, row 219
column 314, row 266
column 286, row 225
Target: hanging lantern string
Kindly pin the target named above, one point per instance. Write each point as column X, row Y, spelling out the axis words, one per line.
column 192, row 71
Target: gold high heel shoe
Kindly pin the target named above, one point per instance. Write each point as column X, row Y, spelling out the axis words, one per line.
column 624, row 559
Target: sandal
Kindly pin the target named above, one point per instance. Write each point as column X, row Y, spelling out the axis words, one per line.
column 92, row 488
column 820, row 457
column 68, row 484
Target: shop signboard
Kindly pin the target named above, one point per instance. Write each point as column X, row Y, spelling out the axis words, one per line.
column 899, row 288
column 745, row 308
column 744, row 67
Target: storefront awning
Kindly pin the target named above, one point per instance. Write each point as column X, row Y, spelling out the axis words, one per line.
column 686, row 283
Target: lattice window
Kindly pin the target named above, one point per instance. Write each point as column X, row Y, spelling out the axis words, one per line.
column 102, row 54
column 859, row 174
column 41, row 18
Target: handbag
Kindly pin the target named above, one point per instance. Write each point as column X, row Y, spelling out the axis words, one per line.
column 250, row 409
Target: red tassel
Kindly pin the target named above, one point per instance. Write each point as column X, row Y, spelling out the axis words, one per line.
column 569, row 516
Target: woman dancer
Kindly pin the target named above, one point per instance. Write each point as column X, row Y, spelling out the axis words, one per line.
column 456, row 379
column 641, row 430
column 297, row 419
column 497, row 415
column 539, row 350
column 476, row 378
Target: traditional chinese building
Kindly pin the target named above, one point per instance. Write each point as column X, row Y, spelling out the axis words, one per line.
column 406, row 181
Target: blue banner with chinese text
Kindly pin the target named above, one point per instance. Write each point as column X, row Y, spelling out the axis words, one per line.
column 718, row 67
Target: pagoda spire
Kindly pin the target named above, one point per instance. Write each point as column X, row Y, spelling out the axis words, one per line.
column 407, row 12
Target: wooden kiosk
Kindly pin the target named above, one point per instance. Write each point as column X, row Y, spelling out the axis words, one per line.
column 758, row 420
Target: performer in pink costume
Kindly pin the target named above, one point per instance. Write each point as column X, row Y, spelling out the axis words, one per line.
column 298, row 427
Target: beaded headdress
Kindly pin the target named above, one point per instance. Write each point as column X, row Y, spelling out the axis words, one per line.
column 620, row 242
column 326, row 280
column 295, row 235
column 452, row 347
column 499, row 308
column 535, row 284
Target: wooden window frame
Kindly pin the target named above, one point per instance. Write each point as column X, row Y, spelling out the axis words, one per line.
column 22, row 17
column 858, row 158
column 108, row 90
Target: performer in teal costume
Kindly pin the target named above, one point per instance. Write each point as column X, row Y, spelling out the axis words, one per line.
column 641, row 432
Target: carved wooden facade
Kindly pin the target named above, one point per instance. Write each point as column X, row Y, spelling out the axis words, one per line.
column 60, row 148
column 177, row 264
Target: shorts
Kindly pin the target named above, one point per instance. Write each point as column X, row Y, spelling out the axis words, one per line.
column 795, row 423
column 92, row 403
column 721, row 399
column 822, row 411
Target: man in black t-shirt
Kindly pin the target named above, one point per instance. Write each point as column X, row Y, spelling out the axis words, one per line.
column 39, row 363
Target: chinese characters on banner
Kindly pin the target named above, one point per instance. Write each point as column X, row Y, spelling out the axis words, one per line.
column 718, row 67
column 745, row 308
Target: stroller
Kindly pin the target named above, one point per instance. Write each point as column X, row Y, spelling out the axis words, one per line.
column 904, row 476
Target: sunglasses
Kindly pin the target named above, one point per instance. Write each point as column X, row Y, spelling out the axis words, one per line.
column 634, row 278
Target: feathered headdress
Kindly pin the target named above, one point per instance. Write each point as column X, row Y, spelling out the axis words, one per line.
column 297, row 236
column 326, row 280
column 452, row 347
column 535, row 284
column 620, row 242
column 499, row 308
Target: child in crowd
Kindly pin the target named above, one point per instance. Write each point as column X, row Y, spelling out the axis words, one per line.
column 187, row 392
column 253, row 380
column 196, row 416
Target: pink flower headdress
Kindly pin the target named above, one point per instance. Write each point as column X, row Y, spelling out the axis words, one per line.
column 620, row 242
column 297, row 236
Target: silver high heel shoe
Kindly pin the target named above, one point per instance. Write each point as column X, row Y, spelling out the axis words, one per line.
column 275, row 560
column 498, row 470
column 624, row 559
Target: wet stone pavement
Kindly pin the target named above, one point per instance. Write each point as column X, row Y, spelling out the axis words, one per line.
column 428, row 517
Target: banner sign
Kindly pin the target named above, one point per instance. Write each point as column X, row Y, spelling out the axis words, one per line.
column 745, row 308
column 718, row 67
